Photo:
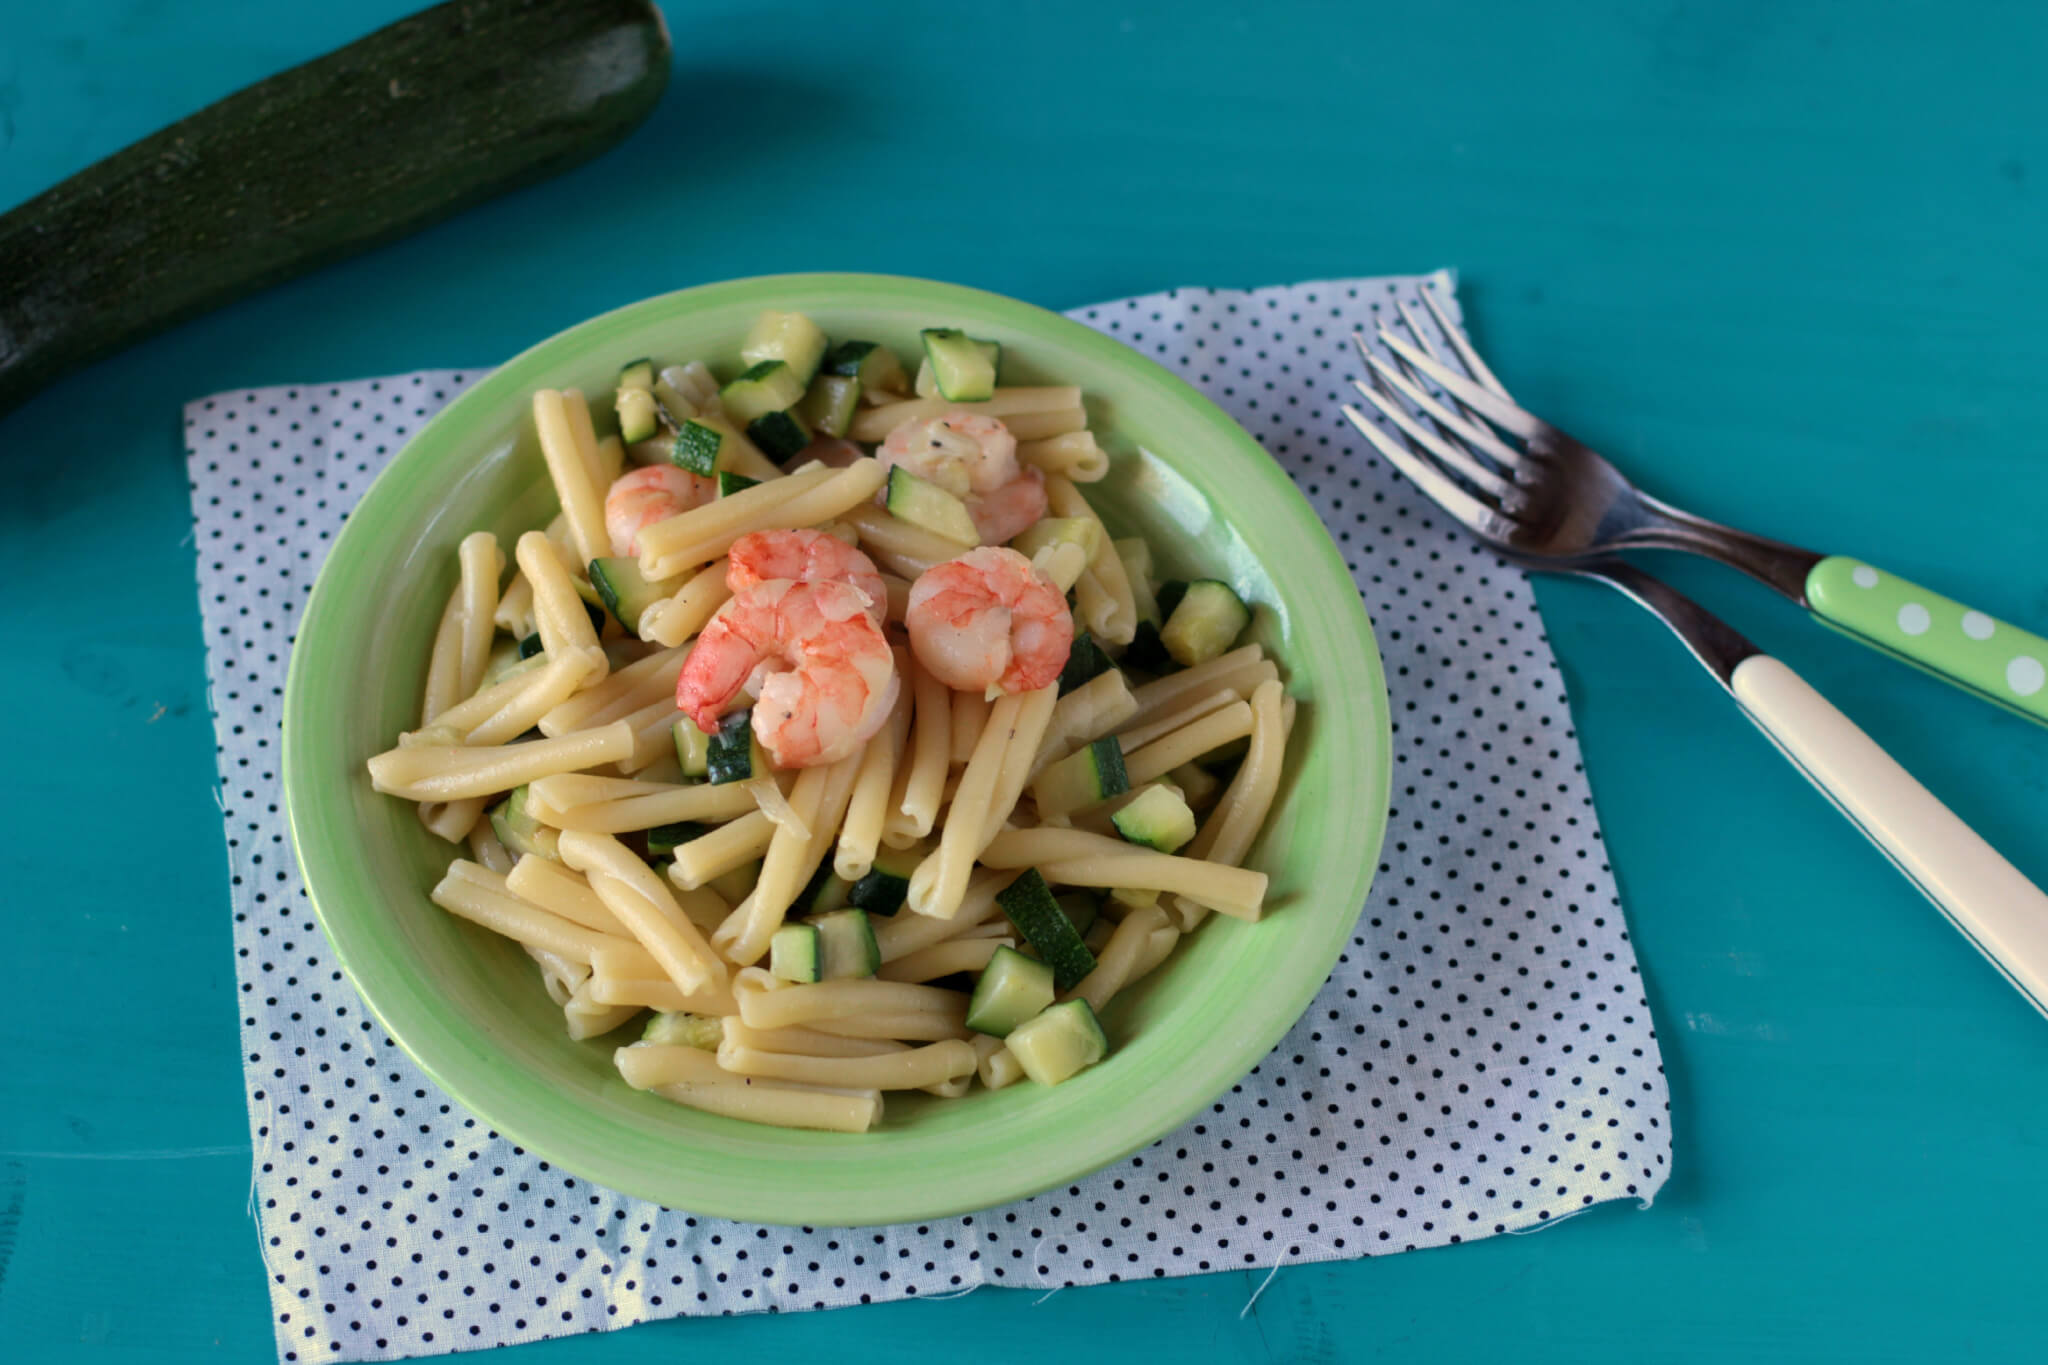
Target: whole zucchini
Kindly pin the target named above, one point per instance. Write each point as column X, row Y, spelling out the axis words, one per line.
column 428, row 116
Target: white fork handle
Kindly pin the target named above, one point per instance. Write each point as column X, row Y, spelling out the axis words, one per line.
column 1983, row 895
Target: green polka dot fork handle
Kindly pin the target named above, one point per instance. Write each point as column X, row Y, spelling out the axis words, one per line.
column 1995, row 660
column 1547, row 502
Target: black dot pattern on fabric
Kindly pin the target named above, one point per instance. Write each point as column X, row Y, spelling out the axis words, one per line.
column 1482, row 1059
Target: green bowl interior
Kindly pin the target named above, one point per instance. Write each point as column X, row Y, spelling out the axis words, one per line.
column 468, row 1006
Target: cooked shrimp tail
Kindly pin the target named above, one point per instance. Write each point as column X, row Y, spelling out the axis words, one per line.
column 989, row 620
column 813, row 657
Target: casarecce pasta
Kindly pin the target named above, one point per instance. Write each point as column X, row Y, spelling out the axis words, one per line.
column 836, row 730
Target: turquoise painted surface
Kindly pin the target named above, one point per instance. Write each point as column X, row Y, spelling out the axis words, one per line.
column 1786, row 262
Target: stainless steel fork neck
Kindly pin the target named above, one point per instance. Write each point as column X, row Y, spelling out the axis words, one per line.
column 1772, row 563
column 1712, row 641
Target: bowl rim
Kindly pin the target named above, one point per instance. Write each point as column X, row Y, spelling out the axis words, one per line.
column 313, row 802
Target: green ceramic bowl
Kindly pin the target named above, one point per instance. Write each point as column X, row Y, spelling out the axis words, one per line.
column 468, row 1006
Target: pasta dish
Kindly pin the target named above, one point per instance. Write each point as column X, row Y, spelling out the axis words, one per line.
column 829, row 723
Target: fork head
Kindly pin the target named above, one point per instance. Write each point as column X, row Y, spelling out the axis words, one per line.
column 1521, row 485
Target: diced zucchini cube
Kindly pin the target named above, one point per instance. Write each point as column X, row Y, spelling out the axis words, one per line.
column 1012, row 988
column 1059, row 1042
column 789, row 337
column 794, row 954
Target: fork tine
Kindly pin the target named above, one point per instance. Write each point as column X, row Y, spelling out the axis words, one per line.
column 1422, row 338
column 1474, row 366
column 1438, row 487
column 1446, row 450
column 1472, row 430
column 1364, row 347
column 1470, row 392
column 1420, row 335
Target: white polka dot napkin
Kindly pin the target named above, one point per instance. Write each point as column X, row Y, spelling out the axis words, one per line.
column 1481, row 1060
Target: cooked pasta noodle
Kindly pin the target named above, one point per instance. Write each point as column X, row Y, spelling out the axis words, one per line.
column 1118, row 963
column 1092, row 710
column 558, row 612
column 897, row 592
column 552, row 886
column 485, row 849
column 1197, row 784
column 1040, row 426
column 477, row 894
column 515, row 608
column 618, row 978
column 732, row 845
column 1204, row 734
column 970, row 716
column 1226, row 836
column 646, row 907
column 1104, row 593
column 558, row 974
column 899, row 546
column 451, row 820
column 1027, row 732
column 994, row 1063
column 808, row 1042
column 654, row 736
column 454, row 724
column 658, row 804
column 577, row 409
column 449, row 772
column 926, row 1026
column 1240, row 670
column 940, row 882
column 444, row 663
column 540, row 692
column 625, row 691
column 828, row 1000
column 1074, row 456
column 819, row 798
column 573, row 475
column 1066, row 564
column 914, row 801
column 588, row 1017
column 768, row 797
column 697, row 537
column 611, row 458
column 1234, row 891
column 692, row 1077
column 903, row 935
column 1138, row 736
column 945, row 958
column 482, row 565
column 868, row 806
column 911, row 1069
column 676, row 618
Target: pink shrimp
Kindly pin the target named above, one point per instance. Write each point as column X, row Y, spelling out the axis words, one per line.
column 1000, row 517
column 805, row 556
column 989, row 620
column 644, row 496
column 817, row 662
column 975, row 459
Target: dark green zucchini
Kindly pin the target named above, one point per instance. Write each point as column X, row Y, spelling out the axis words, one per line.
column 417, row 121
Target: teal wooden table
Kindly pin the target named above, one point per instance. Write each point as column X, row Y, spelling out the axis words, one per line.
column 1789, row 260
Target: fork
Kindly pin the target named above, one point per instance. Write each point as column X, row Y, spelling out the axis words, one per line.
column 1558, row 497
column 1543, row 501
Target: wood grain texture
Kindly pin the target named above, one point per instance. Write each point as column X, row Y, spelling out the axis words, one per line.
column 1785, row 263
